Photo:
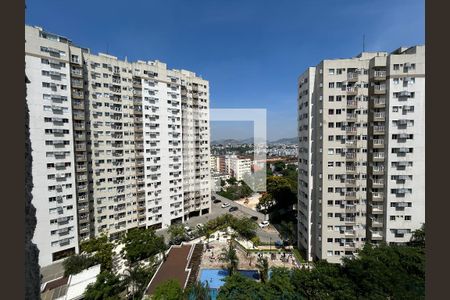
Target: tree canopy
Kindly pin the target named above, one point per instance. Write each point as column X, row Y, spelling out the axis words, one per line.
column 140, row 244
column 168, row 290
column 107, row 286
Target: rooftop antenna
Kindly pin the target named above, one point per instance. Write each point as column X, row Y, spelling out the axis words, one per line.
column 107, row 48
column 364, row 42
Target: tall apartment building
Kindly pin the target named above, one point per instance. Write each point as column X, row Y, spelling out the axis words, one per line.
column 361, row 125
column 116, row 144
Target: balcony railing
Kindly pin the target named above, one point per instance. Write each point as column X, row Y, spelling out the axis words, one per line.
column 379, row 89
column 379, row 75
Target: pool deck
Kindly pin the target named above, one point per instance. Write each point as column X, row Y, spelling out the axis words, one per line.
column 175, row 267
column 211, row 259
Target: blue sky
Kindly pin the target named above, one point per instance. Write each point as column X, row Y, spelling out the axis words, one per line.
column 250, row 51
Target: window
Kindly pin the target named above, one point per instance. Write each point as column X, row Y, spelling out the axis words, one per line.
column 330, row 138
column 330, row 71
column 331, row 111
column 338, row 98
column 339, row 71
column 392, row 218
column 329, row 253
column 331, row 85
column 407, row 218
column 338, row 84
column 330, row 164
column 396, row 80
column 396, row 67
column 338, row 111
column 331, row 98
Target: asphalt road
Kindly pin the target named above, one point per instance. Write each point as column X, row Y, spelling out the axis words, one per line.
column 267, row 234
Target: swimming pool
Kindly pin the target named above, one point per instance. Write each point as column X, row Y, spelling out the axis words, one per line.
column 214, row 278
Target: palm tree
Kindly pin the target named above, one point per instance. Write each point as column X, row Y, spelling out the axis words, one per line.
column 229, row 256
column 136, row 279
column 207, row 236
column 263, row 267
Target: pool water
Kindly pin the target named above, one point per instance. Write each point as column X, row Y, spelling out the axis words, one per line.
column 214, row 278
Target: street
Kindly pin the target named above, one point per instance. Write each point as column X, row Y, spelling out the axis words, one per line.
column 266, row 235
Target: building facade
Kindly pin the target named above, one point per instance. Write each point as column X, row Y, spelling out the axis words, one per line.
column 116, row 144
column 361, row 152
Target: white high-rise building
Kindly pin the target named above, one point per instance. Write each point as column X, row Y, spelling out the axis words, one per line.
column 361, row 152
column 122, row 144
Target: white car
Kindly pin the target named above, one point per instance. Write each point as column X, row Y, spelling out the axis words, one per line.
column 225, row 205
column 264, row 224
column 200, row 226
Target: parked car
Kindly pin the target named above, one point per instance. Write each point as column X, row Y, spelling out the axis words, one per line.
column 200, row 226
column 216, row 201
column 225, row 205
column 264, row 224
column 254, row 218
column 234, row 208
column 213, row 197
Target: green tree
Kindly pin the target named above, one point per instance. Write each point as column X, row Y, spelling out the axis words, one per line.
column 76, row 263
column 263, row 267
column 288, row 232
column 136, row 280
column 244, row 227
column 395, row 272
column 229, row 256
column 279, row 286
column 168, row 290
column 238, row 287
column 266, row 202
column 231, row 181
column 177, row 233
column 418, row 237
column 197, row 291
column 324, row 281
column 107, row 286
column 279, row 166
column 140, row 244
column 101, row 250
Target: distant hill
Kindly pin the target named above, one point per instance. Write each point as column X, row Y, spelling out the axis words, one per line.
column 289, row 141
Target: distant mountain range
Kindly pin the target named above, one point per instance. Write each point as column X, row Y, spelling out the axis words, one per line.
column 289, row 141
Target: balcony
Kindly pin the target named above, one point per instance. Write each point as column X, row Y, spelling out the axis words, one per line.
column 379, row 89
column 379, row 130
column 350, row 209
column 351, row 90
column 376, row 235
column 350, row 195
column 78, row 126
column 350, row 130
column 377, row 197
column 379, row 116
column 77, row 83
column 80, row 147
column 376, row 209
column 78, row 116
column 376, row 222
column 350, row 143
column 378, row 170
column 378, row 156
column 349, row 246
column 350, row 169
column 81, row 157
column 350, row 221
column 352, row 104
column 379, row 102
column 351, row 156
column 352, row 76
column 378, row 143
column 378, row 75
column 75, row 72
column 377, row 183
column 77, row 94
column 352, row 117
